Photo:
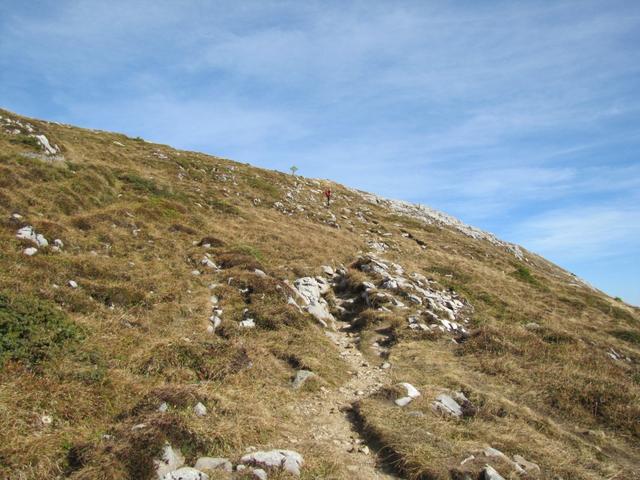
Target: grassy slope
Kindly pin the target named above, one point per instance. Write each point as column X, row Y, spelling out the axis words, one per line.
column 130, row 216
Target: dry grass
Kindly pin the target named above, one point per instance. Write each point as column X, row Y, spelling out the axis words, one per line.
column 135, row 222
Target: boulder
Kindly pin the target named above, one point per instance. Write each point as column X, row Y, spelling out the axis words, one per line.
column 287, row 460
column 186, row 473
column 211, row 463
column 30, row 251
column 446, row 404
column 170, row 460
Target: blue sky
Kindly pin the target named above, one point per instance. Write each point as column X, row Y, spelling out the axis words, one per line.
column 522, row 118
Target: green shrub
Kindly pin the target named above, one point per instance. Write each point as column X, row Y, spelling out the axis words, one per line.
column 31, row 329
column 523, row 274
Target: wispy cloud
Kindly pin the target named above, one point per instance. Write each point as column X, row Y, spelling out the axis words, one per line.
column 522, row 117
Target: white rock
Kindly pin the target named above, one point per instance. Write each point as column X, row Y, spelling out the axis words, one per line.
column 259, row 273
column 46, row 419
column 46, row 146
column 207, row 262
column 412, row 393
column 186, row 473
column 214, row 299
column 30, row 251
column 288, row 460
column 411, row 390
column 327, row 270
column 200, row 410
column 301, row 377
column 215, row 322
column 195, row 272
column 259, row 473
column 169, row 461
column 489, row 473
column 72, row 284
column 248, row 323
column 211, row 463
column 164, row 406
column 444, row 403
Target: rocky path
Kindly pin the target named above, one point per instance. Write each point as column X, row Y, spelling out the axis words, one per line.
column 328, row 415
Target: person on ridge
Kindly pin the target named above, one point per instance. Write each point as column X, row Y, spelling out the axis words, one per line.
column 327, row 194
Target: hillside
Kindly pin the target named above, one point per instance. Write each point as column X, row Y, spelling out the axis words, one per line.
column 163, row 309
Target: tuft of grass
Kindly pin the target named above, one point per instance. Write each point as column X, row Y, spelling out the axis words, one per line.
column 630, row 336
column 26, row 140
column 31, row 330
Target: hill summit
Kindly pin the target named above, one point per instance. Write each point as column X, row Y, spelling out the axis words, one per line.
column 167, row 314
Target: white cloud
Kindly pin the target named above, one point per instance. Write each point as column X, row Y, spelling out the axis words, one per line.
column 592, row 233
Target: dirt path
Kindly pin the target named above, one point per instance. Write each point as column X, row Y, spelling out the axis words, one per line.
column 328, row 414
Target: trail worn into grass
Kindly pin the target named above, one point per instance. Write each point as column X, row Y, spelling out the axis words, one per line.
column 328, row 415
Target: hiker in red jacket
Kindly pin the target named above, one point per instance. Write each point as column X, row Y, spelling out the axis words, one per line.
column 327, row 193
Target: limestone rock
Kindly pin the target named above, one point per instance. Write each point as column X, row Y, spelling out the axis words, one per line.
column 30, row 251
column 169, row 461
column 301, row 377
column 200, row 410
column 489, row 473
column 287, row 460
column 186, row 473
column 213, row 463
column 445, row 404
column 412, row 392
column 526, row 465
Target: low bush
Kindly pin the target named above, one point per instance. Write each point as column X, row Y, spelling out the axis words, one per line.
column 32, row 329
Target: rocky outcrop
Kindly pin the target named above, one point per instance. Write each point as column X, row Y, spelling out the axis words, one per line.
column 310, row 291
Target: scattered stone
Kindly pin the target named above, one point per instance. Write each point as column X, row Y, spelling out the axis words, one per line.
column 412, row 393
column 301, row 377
column 259, row 473
column 169, row 461
column 527, row 466
column 195, row 272
column 248, row 323
column 200, row 410
column 72, row 284
column 46, row 420
column 211, row 463
column 30, row 251
column 164, row 406
column 327, row 270
column 259, row 273
column 215, row 323
column 287, row 460
column 186, row 473
column 28, row 233
column 445, row 404
column 385, row 365
column 489, row 473
column 58, row 243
